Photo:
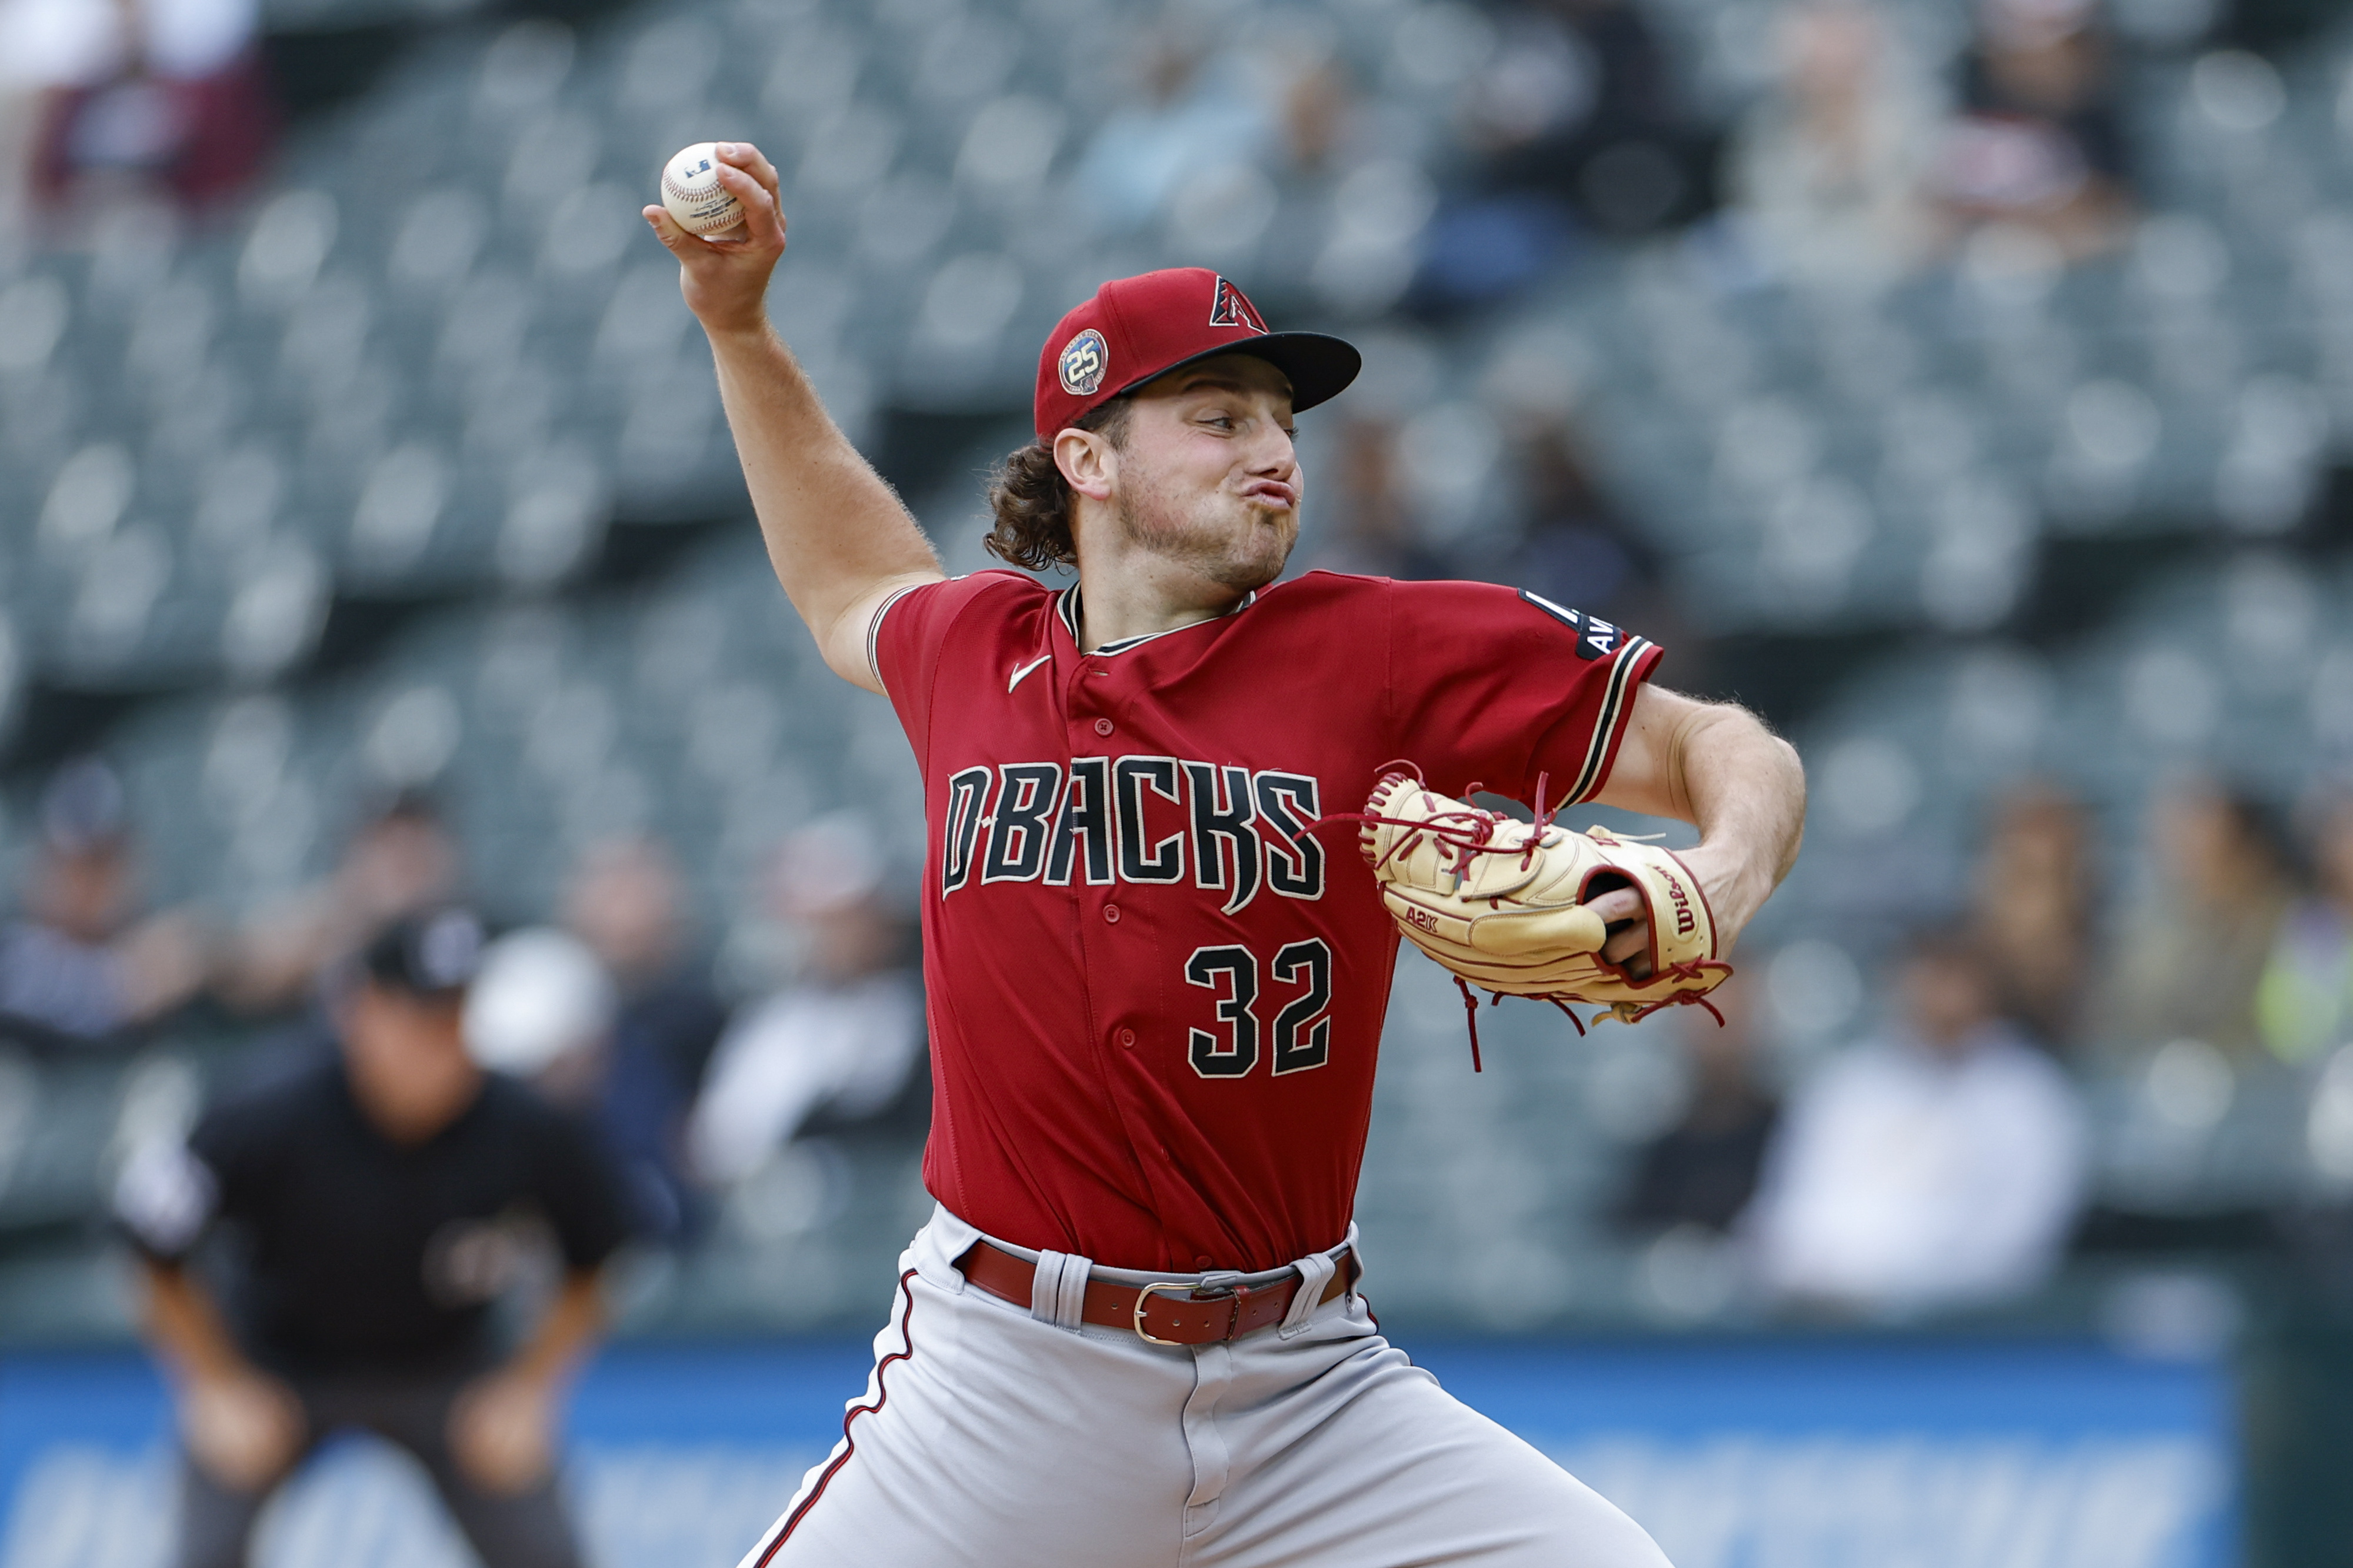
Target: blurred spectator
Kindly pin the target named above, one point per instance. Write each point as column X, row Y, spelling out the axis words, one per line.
column 400, row 861
column 1574, row 118
column 1579, row 102
column 1193, row 113
column 1831, row 168
column 2191, row 953
column 545, row 1010
column 21, row 97
column 1937, row 1166
column 1371, row 529
column 608, row 1019
column 2040, row 140
column 1315, row 110
column 166, row 95
column 1702, row 1171
column 378, row 1191
column 76, row 960
column 844, row 1036
column 2305, row 1001
column 626, row 902
column 2034, row 911
column 1576, row 548
column 542, row 1011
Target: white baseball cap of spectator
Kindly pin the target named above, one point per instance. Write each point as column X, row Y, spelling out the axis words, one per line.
column 541, row 995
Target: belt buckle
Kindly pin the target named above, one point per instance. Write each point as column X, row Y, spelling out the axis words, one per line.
column 1143, row 1298
column 1232, row 1294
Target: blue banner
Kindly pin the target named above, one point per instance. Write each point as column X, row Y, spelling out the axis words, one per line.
column 1742, row 1454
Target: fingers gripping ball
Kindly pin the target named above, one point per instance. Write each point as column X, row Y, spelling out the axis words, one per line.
column 1501, row 903
column 692, row 194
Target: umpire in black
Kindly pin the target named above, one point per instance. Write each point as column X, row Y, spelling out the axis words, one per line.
column 373, row 1205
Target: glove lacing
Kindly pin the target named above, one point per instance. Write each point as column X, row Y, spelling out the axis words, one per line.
column 1471, row 831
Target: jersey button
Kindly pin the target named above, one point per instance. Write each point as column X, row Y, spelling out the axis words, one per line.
column 1103, row 726
column 1127, row 1038
column 1110, row 914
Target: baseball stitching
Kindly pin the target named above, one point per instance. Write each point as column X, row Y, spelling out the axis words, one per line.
column 671, row 187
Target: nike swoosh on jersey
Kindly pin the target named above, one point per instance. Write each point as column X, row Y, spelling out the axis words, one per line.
column 1025, row 669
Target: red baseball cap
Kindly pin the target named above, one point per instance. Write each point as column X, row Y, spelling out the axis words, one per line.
column 1135, row 329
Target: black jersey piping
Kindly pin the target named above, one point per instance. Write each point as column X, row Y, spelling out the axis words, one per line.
column 1614, row 703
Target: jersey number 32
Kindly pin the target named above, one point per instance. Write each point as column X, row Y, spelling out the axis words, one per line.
column 1300, row 1034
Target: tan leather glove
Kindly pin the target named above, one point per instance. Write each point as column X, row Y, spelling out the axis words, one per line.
column 1501, row 902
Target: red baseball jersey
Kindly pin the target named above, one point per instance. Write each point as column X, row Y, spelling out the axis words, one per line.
column 1154, row 995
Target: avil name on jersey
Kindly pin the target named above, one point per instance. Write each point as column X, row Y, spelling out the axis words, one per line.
column 1135, row 819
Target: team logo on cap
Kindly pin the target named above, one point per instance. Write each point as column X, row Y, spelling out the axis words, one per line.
column 1084, row 360
column 1229, row 309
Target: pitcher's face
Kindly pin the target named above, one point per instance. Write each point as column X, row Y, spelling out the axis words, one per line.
column 1207, row 476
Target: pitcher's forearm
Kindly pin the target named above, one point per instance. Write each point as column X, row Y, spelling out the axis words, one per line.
column 1747, row 794
column 832, row 526
column 836, row 535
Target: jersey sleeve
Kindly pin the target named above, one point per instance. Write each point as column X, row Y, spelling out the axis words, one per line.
column 905, row 640
column 1498, row 687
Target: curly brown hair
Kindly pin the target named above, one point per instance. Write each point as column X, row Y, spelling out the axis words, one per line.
column 1032, row 502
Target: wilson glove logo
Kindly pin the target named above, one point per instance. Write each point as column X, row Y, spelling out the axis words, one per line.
column 1685, row 921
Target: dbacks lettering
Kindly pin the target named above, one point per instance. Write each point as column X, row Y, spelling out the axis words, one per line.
column 1135, row 819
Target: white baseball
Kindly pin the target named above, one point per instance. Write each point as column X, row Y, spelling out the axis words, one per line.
column 692, row 193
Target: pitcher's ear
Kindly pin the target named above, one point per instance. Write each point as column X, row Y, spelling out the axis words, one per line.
column 1088, row 460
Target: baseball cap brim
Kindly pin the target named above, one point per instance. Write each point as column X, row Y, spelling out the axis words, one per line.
column 1318, row 365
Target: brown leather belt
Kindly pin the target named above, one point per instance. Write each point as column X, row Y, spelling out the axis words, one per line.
column 1174, row 1312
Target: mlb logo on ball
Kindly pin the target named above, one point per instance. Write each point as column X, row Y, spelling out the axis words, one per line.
column 697, row 201
column 1084, row 360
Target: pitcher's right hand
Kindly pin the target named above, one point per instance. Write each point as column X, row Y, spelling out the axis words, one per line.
column 725, row 282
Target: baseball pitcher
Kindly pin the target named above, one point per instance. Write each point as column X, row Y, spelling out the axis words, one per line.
column 1179, row 814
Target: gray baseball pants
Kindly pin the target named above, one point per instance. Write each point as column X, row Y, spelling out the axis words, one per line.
column 520, row 1529
column 993, row 1435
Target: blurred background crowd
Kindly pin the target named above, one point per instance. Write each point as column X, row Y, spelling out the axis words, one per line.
column 1962, row 383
